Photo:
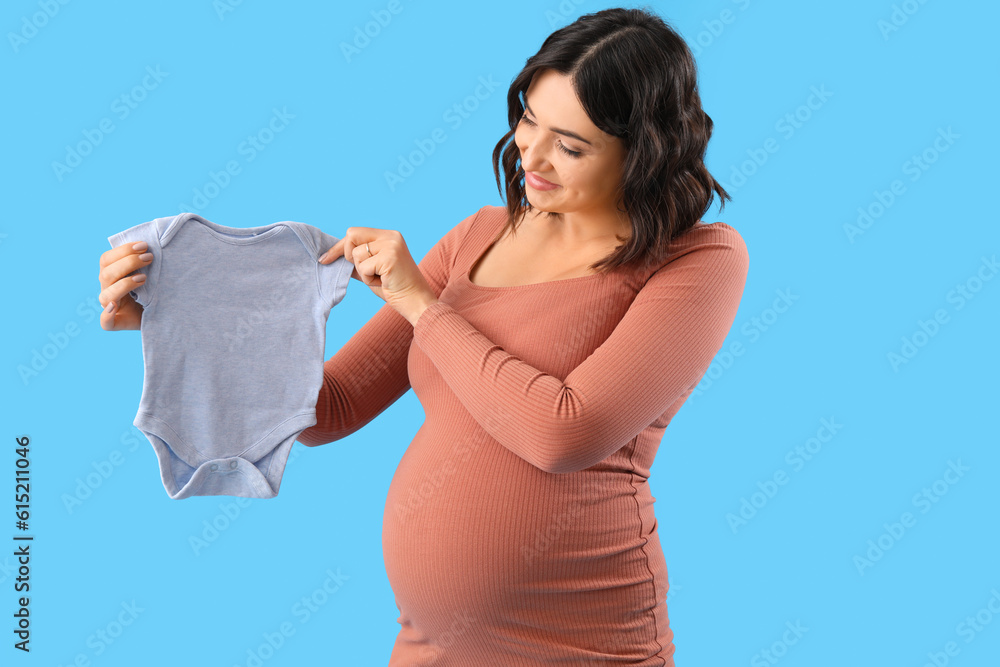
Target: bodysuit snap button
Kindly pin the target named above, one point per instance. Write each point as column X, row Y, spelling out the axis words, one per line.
column 232, row 464
column 215, row 466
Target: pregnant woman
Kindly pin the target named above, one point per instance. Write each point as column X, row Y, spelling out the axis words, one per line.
column 550, row 342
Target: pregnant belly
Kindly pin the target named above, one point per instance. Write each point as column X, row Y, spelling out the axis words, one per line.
column 472, row 531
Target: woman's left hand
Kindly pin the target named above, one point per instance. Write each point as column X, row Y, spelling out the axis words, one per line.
column 389, row 271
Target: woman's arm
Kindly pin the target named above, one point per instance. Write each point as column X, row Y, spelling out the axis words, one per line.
column 369, row 373
column 661, row 348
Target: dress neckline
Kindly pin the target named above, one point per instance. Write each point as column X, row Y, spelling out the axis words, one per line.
column 467, row 271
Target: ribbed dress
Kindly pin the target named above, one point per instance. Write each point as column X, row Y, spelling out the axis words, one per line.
column 519, row 526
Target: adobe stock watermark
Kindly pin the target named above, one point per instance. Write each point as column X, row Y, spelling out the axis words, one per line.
column 223, row 7
column 960, row 295
column 228, row 513
column 303, row 610
column 213, row 528
column 122, row 106
column 713, row 28
column 99, row 472
column 923, row 500
column 270, row 308
column 797, row 457
column 560, row 522
column 753, row 329
column 562, row 14
column 104, row 637
column 787, row 125
column 363, row 35
column 8, row 568
column 419, row 494
column 915, row 167
column 968, row 629
column 779, row 649
column 899, row 16
column 56, row 342
column 249, row 148
column 463, row 620
column 31, row 25
column 454, row 116
column 672, row 589
column 459, row 626
column 611, row 645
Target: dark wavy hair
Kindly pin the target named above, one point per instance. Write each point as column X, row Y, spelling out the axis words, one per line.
column 637, row 80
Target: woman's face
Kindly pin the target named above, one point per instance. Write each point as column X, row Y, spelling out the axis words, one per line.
column 559, row 143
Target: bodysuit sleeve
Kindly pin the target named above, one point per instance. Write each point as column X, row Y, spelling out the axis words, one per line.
column 146, row 231
column 335, row 276
column 660, row 348
column 369, row 373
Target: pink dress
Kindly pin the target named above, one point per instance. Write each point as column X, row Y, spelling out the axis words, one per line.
column 519, row 526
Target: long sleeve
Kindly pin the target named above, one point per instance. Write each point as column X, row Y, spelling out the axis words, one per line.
column 660, row 349
column 369, row 373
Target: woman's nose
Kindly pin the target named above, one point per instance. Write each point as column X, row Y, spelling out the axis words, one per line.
column 531, row 158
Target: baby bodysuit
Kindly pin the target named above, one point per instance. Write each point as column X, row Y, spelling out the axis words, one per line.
column 233, row 341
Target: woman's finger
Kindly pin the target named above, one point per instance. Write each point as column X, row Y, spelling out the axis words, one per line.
column 353, row 238
column 108, row 316
column 125, row 261
column 117, row 291
column 333, row 253
column 116, row 253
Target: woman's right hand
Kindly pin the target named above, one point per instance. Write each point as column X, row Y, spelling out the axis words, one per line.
column 116, row 282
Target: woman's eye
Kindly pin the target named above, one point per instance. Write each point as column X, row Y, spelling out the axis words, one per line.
column 527, row 120
column 569, row 152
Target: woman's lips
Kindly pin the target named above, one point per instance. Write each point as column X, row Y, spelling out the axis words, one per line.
column 537, row 182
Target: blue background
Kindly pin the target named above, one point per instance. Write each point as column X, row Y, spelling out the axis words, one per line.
column 823, row 312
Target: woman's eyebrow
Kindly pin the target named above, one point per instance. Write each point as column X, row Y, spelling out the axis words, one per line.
column 556, row 129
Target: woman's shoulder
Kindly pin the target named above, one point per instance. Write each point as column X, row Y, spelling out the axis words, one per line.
column 492, row 211
column 710, row 232
column 715, row 243
column 476, row 219
column 704, row 235
column 481, row 225
column 483, row 216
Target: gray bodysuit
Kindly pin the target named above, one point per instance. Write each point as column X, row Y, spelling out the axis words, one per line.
column 233, row 342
